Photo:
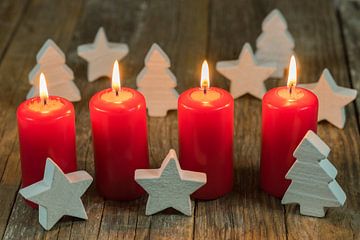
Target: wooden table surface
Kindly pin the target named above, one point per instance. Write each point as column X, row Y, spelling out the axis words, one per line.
column 327, row 34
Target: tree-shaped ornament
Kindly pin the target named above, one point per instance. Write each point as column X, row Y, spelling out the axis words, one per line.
column 275, row 44
column 51, row 61
column 157, row 83
column 313, row 184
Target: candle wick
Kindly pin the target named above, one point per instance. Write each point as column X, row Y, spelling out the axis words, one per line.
column 117, row 92
column 44, row 101
column 205, row 90
column 291, row 89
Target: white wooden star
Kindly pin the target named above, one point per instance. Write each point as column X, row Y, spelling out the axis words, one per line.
column 245, row 74
column 58, row 194
column 169, row 186
column 101, row 55
column 332, row 99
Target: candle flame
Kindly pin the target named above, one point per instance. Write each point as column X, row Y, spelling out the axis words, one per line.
column 43, row 92
column 115, row 84
column 292, row 77
column 205, row 80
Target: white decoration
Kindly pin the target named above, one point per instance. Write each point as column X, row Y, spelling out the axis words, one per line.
column 156, row 82
column 275, row 44
column 101, row 55
column 313, row 184
column 58, row 194
column 59, row 77
column 169, row 186
column 245, row 74
column 332, row 99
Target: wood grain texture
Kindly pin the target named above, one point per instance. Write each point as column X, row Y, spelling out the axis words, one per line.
column 315, row 33
column 246, row 212
column 38, row 24
column 11, row 13
column 188, row 31
column 349, row 12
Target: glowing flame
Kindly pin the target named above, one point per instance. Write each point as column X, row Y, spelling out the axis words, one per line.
column 291, row 82
column 115, row 84
column 44, row 95
column 205, row 80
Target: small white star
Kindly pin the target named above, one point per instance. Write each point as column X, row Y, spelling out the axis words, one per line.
column 332, row 99
column 101, row 55
column 58, row 194
column 245, row 74
column 169, row 186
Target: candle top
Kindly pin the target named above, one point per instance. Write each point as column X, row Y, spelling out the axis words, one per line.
column 127, row 100
column 215, row 98
column 201, row 96
column 280, row 97
column 122, row 96
column 51, row 105
column 56, row 107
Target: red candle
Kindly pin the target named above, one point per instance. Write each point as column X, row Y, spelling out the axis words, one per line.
column 118, row 119
column 206, row 125
column 287, row 114
column 46, row 128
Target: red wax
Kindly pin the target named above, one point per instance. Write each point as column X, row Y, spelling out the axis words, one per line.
column 206, row 129
column 285, row 121
column 45, row 134
column 120, row 144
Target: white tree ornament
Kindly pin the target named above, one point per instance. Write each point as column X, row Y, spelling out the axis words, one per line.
column 59, row 77
column 332, row 99
column 275, row 44
column 245, row 74
column 313, row 184
column 157, row 83
column 101, row 55
column 169, row 186
column 58, row 194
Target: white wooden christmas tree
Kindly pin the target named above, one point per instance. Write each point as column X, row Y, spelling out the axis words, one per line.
column 275, row 44
column 157, row 83
column 59, row 77
column 313, row 184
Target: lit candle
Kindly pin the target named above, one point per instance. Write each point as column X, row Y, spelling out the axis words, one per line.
column 118, row 119
column 287, row 114
column 46, row 128
column 206, row 125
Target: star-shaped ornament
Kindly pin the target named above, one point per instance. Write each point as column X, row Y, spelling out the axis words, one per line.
column 101, row 55
column 169, row 186
column 332, row 99
column 246, row 74
column 58, row 194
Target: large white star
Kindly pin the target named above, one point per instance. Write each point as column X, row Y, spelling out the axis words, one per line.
column 169, row 186
column 245, row 74
column 332, row 99
column 58, row 194
column 101, row 55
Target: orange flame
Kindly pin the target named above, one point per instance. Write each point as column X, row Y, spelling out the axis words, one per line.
column 43, row 92
column 115, row 83
column 205, row 80
column 292, row 77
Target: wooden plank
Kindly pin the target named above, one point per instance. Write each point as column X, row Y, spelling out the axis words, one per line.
column 38, row 24
column 349, row 16
column 318, row 45
column 11, row 13
column 246, row 212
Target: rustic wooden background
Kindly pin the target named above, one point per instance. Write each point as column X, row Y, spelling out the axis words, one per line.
column 327, row 34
